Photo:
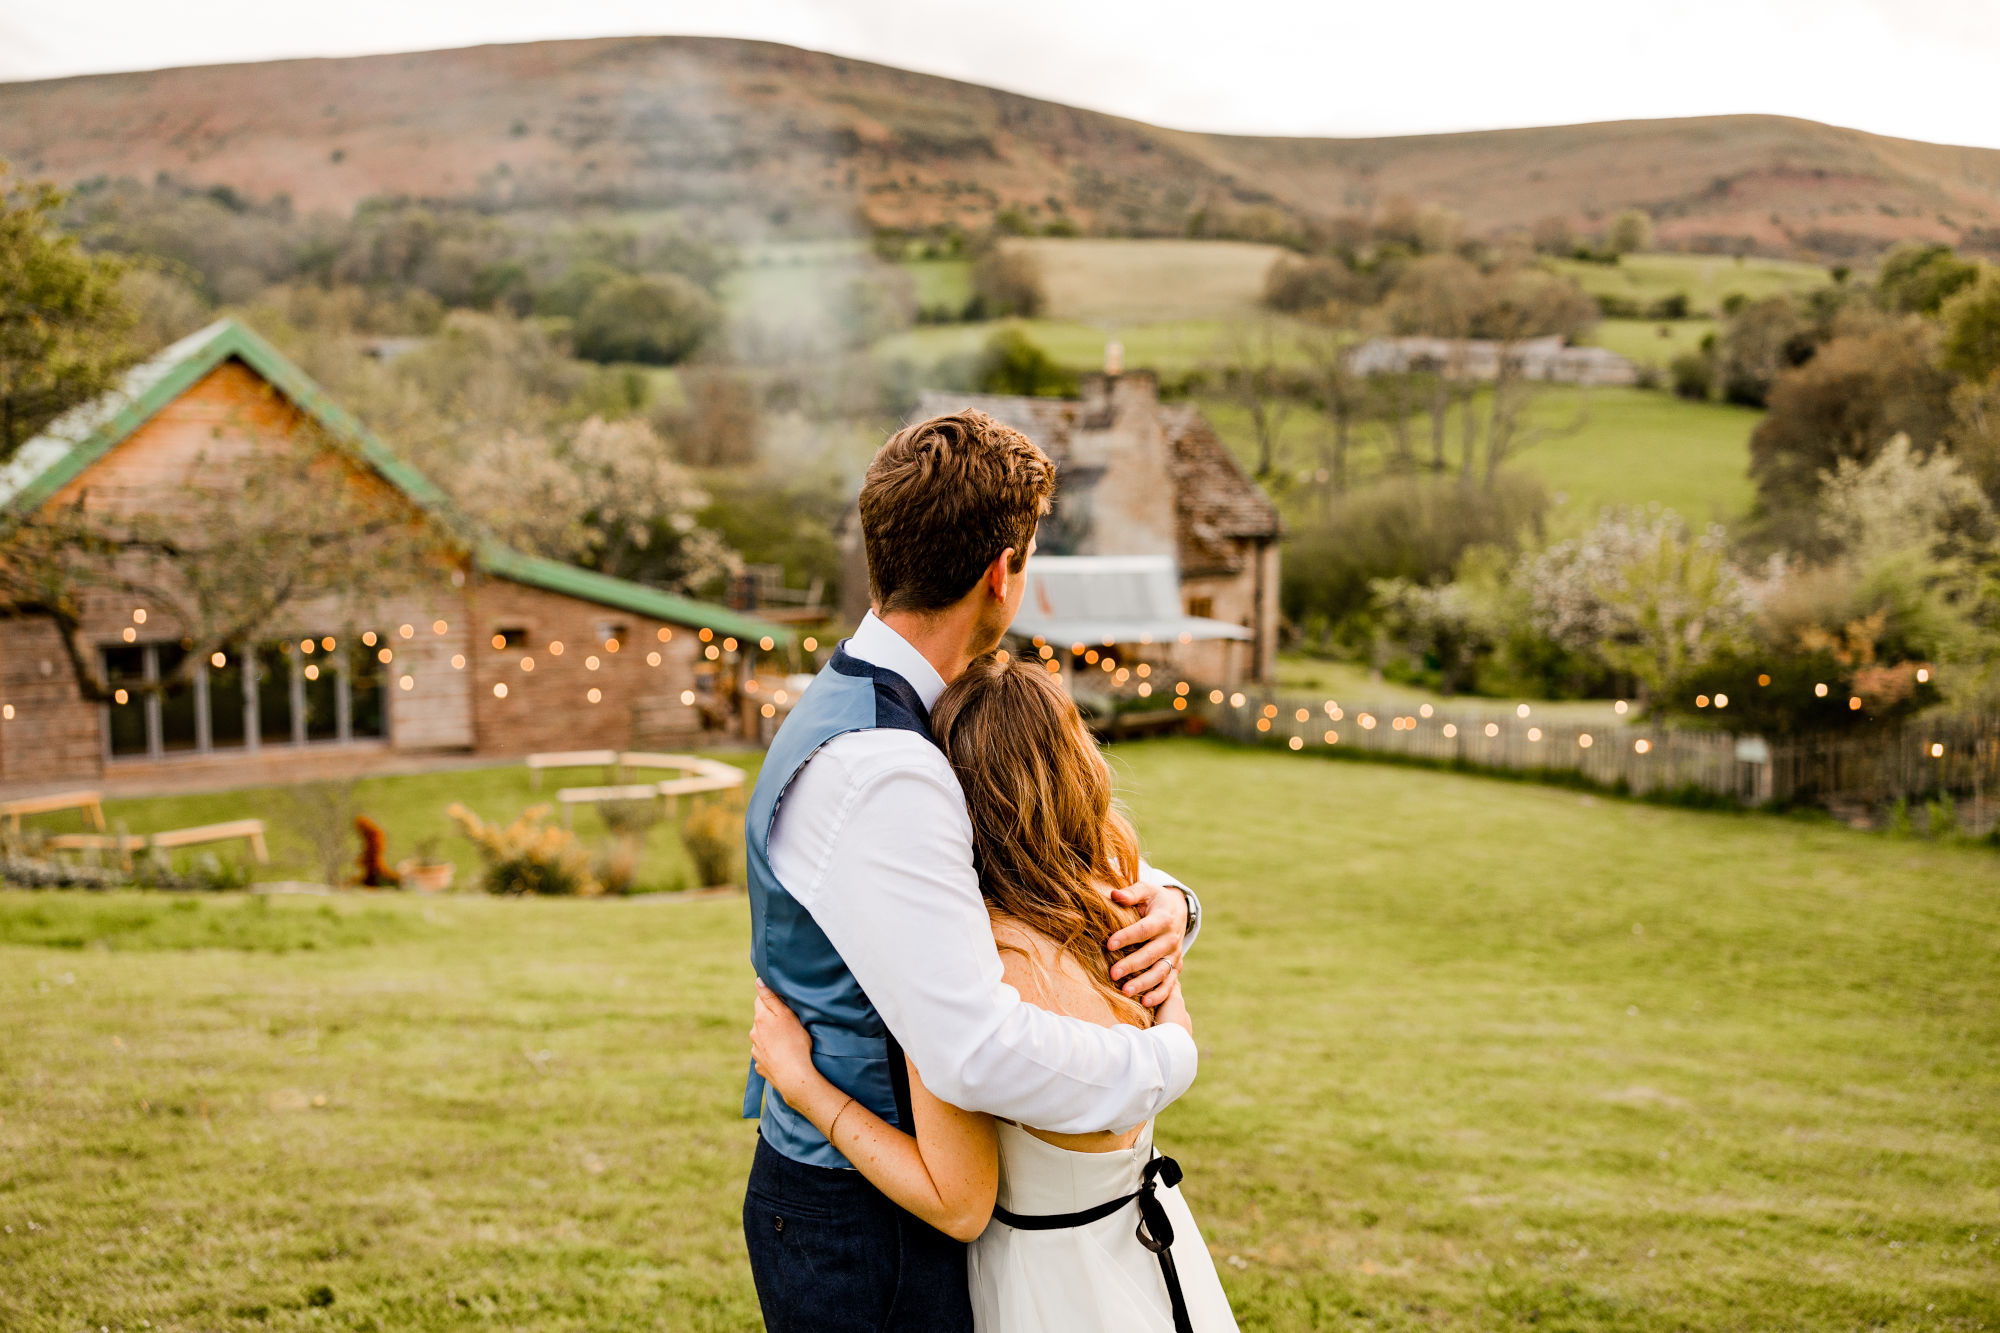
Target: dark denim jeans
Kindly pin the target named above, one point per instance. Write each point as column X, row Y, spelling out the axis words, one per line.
column 830, row 1254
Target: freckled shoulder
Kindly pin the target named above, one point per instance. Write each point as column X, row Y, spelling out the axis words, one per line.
column 1025, row 960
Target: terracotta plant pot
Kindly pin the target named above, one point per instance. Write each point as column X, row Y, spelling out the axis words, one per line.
column 427, row 878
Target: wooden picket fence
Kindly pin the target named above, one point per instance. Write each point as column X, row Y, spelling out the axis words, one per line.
column 1858, row 776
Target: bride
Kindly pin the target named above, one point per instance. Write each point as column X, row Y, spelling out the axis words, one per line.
column 1070, row 1233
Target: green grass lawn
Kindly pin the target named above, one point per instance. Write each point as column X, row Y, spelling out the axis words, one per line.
column 1707, row 280
column 409, row 807
column 1594, row 448
column 1648, row 342
column 1476, row 1055
column 1642, row 446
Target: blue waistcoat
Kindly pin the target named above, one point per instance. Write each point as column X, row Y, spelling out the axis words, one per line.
column 792, row 955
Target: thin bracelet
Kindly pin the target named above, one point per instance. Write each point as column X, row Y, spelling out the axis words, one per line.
column 835, row 1126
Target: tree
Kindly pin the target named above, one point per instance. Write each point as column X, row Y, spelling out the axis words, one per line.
column 1631, row 232
column 1338, row 392
column 1008, row 280
column 1552, row 236
column 1851, row 399
column 1011, row 362
column 1760, row 342
column 721, row 425
column 1918, row 278
column 1642, row 594
column 607, row 495
column 1296, row 286
column 1255, row 375
column 1522, row 304
column 1971, row 319
column 656, row 319
column 63, row 317
column 1442, row 296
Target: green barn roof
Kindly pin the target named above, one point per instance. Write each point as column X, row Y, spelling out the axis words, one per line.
column 82, row 436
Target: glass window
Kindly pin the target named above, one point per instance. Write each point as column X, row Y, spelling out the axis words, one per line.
column 321, row 679
column 510, row 636
column 177, row 711
column 225, row 701
column 366, row 713
column 274, row 693
column 125, row 672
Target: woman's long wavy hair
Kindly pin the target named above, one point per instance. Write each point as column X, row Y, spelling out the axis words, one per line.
column 1048, row 844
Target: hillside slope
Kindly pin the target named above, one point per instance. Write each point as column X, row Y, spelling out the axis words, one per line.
column 808, row 143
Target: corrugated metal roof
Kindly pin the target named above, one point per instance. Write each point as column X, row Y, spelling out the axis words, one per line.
column 1098, row 599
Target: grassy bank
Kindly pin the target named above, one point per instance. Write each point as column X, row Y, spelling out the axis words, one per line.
column 1475, row 1056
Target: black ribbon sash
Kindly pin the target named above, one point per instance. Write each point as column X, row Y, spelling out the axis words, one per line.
column 1155, row 1230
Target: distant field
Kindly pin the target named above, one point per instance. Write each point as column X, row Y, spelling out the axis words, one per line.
column 1650, row 342
column 1170, row 347
column 941, row 283
column 1706, row 279
column 1605, row 447
column 1141, row 281
column 1640, row 446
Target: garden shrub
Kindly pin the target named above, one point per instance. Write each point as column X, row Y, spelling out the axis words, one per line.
column 713, row 834
column 1694, row 376
column 529, row 855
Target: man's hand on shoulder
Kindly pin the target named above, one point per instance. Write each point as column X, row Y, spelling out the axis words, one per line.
column 1148, row 972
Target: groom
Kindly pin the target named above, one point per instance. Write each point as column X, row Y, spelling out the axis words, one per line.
column 866, row 913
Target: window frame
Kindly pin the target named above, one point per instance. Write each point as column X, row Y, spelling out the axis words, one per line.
column 253, row 741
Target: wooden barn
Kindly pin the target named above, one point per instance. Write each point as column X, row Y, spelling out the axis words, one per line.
column 500, row 653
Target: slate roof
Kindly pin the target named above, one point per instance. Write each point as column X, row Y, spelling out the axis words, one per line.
column 85, row 434
column 1215, row 503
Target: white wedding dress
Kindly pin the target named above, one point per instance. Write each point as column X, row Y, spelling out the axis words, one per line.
column 1095, row 1278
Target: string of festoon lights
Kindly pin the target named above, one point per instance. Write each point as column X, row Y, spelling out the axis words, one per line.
column 384, row 648
column 1103, row 659
column 1266, row 715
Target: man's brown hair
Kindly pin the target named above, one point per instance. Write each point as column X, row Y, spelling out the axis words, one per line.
column 942, row 499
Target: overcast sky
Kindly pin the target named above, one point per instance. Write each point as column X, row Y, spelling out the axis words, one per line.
column 1923, row 69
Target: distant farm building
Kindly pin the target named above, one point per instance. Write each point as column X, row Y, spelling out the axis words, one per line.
column 1548, row 359
column 507, row 653
column 1159, row 542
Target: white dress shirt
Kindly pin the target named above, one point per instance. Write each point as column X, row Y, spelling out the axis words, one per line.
column 872, row 838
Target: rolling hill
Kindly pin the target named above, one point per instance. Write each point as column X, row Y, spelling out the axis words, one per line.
column 799, row 143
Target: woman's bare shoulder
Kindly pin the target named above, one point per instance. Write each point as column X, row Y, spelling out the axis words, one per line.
column 1026, row 957
column 1047, row 977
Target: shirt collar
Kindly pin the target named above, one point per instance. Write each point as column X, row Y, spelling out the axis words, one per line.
column 878, row 645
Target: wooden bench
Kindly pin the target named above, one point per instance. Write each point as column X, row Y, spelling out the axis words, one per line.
column 89, row 801
column 251, row 830
column 571, row 797
column 568, row 759
column 706, row 775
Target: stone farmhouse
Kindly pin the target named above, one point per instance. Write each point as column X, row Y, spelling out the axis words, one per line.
column 508, row 653
column 1158, row 539
column 1547, row 359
